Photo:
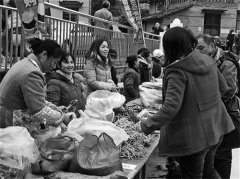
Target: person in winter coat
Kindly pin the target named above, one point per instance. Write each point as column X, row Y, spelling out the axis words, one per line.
column 113, row 55
column 228, row 70
column 144, row 57
column 230, row 40
column 193, row 118
column 22, row 88
column 156, row 29
column 64, row 86
column 98, row 67
column 157, row 60
column 131, row 79
column 237, row 42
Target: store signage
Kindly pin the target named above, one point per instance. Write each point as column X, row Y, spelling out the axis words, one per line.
column 32, row 14
column 132, row 13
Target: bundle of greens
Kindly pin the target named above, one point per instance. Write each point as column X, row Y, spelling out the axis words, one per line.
column 133, row 148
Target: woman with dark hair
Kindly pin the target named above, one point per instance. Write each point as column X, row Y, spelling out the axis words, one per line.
column 23, row 86
column 192, row 118
column 131, row 78
column 98, row 67
column 64, row 86
column 144, row 56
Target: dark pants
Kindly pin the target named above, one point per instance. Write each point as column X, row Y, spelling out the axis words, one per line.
column 199, row 165
column 229, row 47
column 237, row 49
column 223, row 162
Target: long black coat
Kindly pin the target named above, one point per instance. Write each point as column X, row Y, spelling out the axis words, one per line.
column 131, row 82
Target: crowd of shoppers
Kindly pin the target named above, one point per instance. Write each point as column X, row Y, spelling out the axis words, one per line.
column 201, row 114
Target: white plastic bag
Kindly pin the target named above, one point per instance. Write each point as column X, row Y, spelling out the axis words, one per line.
column 87, row 125
column 100, row 104
column 19, row 146
column 150, row 94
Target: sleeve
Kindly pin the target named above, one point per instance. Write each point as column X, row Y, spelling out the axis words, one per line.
column 141, row 71
column 229, row 72
column 114, row 75
column 32, row 87
column 90, row 74
column 223, row 87
column 54, row 92
column 175, row 89
column 128, row 85
column 110, row 17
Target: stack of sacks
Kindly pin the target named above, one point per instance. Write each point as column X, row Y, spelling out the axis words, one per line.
column 151, row 93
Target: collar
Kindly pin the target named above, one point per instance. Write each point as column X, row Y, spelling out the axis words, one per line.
column 216, row 54
column 143, row 60
column 34, row 59
column 69, row 77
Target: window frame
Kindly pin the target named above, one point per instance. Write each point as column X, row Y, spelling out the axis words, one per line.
column 211, row 26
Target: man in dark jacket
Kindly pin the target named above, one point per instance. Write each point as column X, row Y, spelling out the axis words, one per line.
column 230, row 40
column 113, row 55
column 144, row 57
column 156, row 30
column 206, row 45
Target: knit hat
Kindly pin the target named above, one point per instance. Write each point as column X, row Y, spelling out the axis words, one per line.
column 158, row 53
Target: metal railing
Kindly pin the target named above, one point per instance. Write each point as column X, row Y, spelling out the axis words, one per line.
column 216, row 1
column 78, row 35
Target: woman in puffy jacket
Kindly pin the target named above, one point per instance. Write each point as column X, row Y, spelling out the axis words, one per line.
column 131, row 78
column 193, row 118
column 98, row 67
column 64, row 86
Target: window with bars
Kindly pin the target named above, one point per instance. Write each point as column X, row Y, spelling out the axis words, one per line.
column 73, row 5
column 212, row 23
column 69, row 16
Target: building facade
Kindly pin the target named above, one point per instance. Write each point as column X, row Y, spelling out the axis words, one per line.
column 214, row 17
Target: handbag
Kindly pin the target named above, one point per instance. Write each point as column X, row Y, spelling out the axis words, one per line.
column 56, row 154
column 96, row 156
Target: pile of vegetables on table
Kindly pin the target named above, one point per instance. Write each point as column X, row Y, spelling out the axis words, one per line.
column 49, row 150
column 133, row 148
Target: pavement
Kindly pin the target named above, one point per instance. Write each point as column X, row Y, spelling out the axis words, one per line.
column 156, row 169
column 235, row 173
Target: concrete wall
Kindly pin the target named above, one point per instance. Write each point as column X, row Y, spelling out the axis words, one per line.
column 84, row 9
column 193, row 18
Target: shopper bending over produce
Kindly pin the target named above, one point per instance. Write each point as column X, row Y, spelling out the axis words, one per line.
column 64, row 86
column 23, row 86
column 131, row 78
column 193, row 118
column 98, row 67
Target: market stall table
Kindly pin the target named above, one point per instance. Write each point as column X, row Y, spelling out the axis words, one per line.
column 137, row 167
column 132, row 169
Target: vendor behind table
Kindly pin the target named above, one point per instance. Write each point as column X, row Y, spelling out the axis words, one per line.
column 98, row 67
column 64, row 85
column 23, row 86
